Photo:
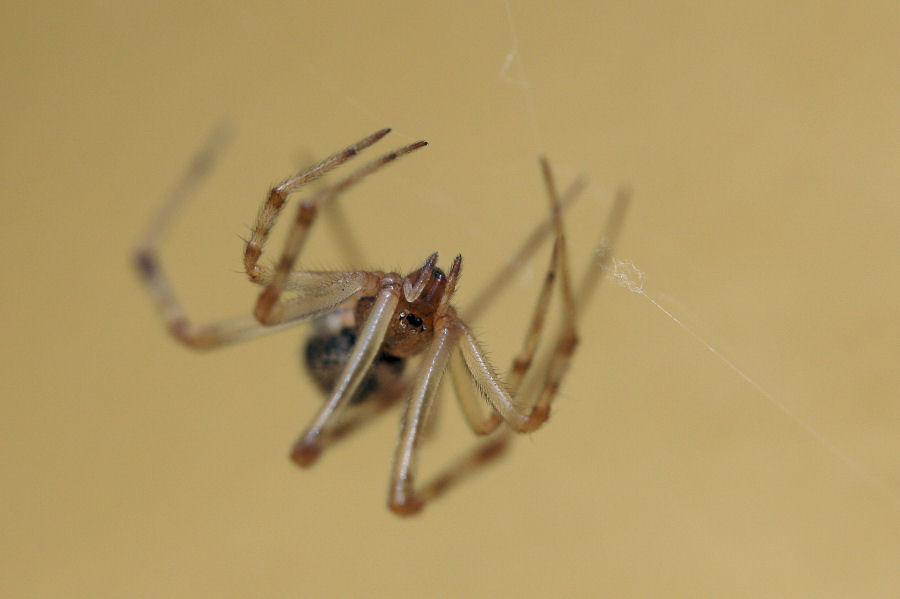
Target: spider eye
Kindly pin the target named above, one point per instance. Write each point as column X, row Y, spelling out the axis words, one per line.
column 413, row 320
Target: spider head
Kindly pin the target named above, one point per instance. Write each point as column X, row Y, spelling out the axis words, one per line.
column 412, row 325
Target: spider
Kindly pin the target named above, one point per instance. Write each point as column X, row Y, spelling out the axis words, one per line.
column 369, row 323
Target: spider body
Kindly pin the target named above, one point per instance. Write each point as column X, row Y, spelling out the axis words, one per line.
column 325, row 354
column 412, row 326
column 369, row 323
column 329, row 346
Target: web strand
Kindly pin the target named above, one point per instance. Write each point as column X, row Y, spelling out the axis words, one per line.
column 520, row 80
column 625, row 274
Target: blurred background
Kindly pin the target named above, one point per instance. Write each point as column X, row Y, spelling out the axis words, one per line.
column 728, row 429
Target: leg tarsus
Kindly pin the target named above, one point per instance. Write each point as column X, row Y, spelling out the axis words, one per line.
column 538, row 416
column 405, row 506
column 485, row 452
column 305, row 454
column 270, row 307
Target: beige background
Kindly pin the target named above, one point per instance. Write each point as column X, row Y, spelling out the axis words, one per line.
column 762, row 141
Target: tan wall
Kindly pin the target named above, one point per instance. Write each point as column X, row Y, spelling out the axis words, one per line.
column 730, row 432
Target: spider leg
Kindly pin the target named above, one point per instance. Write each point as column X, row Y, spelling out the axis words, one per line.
column 480, row 420
column 149, row 268
column 483, row 374
column 269, row 211
column 359, row 416
column 501, row 398
column 567, row 338
column 326, row 290
column 561, row 356
column 484, row 452
column 521, row 413
column 523, row 360
column 308, row 447
column 404, row 498
column 507, row 272
column 270, row 309
column 334, row 217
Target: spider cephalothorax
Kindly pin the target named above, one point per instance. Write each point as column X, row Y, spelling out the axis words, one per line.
column 368, row 323
column 412, row 328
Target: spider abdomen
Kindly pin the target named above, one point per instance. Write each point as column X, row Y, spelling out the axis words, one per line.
column 326, row 352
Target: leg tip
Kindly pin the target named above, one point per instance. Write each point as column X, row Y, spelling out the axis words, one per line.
column 405, row 507
column 305, row 454
column 539, row 415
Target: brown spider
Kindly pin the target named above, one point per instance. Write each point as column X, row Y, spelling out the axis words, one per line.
column 368, row 323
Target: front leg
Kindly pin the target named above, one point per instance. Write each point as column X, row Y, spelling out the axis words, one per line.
column 270, row 307
column 149, row 268
column 402, row 496
column 278, row 195
column 371, row 336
